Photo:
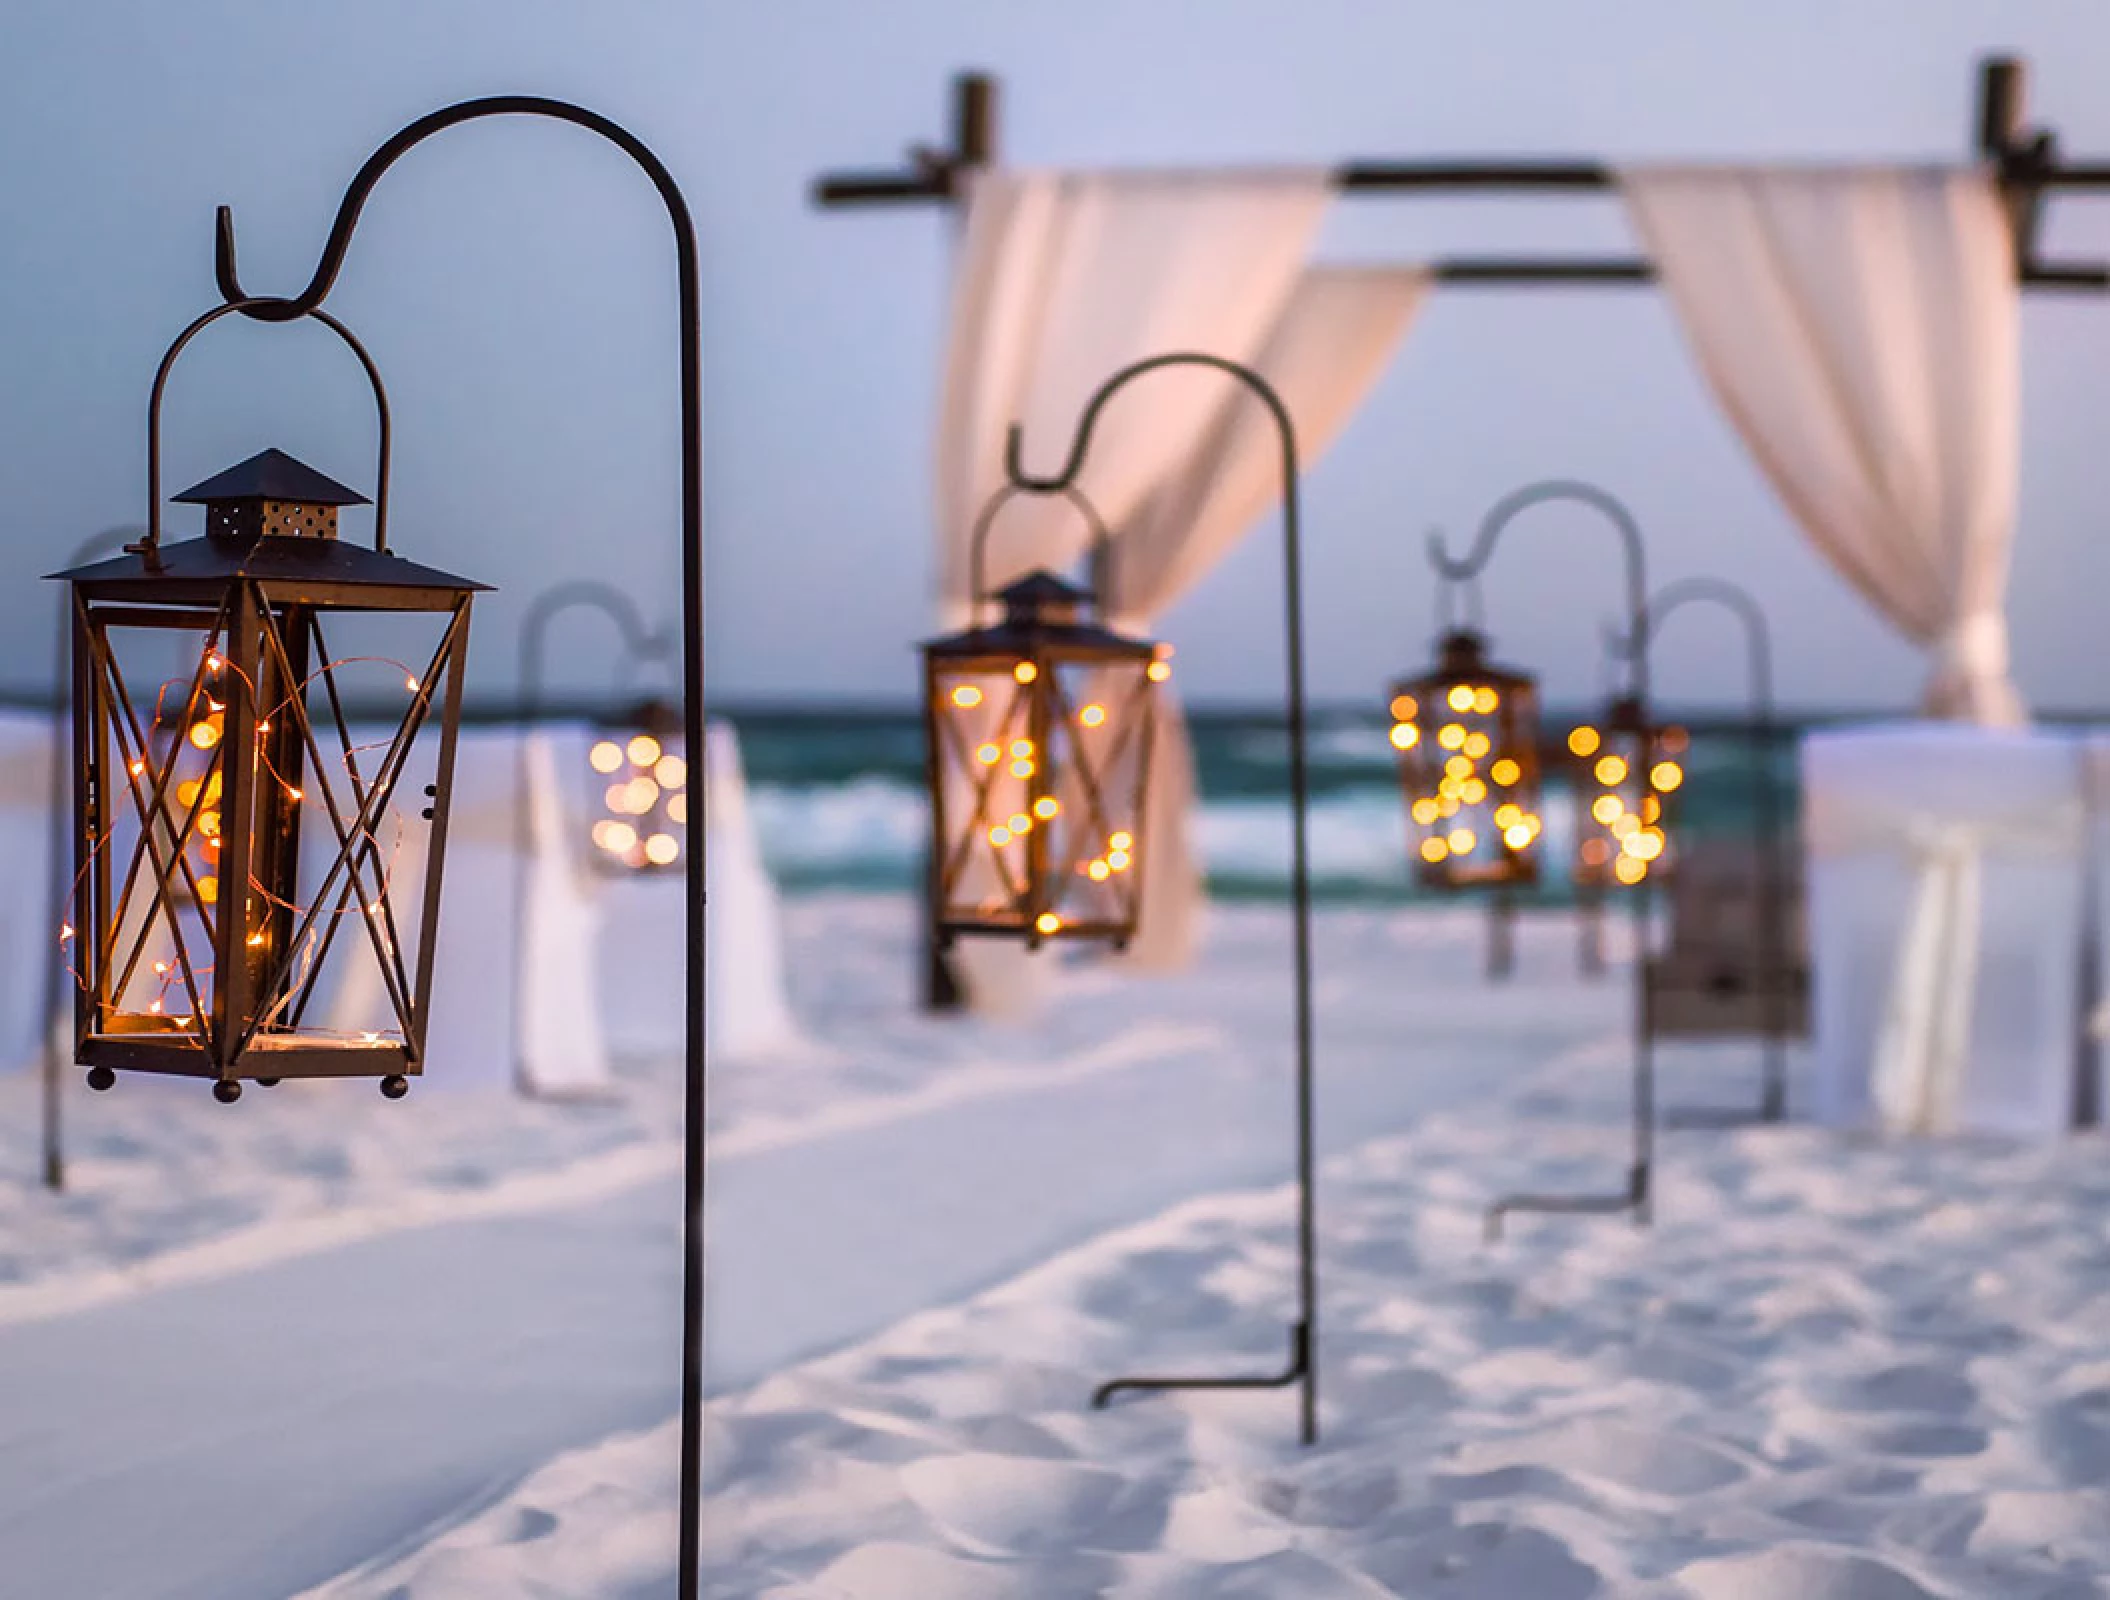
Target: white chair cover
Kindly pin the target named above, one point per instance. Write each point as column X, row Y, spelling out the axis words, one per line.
column 1945, row 902
column 479, row 1005
column 29, row 918
column 644, row 950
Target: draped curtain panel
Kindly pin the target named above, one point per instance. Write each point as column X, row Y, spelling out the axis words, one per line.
column 1336, row 334
column 1859, row 327
column 1064, row 278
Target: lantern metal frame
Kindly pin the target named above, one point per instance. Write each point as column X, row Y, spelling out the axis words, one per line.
column 1023, row 641
column 1302, row 1369
column 261, row 607
column 639, row 644
column 1776, row 971
column 688, row 290
column 1462, row 661
column 1635, row 1198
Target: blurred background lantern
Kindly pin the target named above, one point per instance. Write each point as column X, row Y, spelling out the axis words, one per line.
column 1467, row 736
column 641, row 776
column 637, row 759
column 211, row 728
column 1037, row 729
column 1625, row 773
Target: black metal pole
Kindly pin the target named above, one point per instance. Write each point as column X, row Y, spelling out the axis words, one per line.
column 1771, row 864
column 639, row 644
column 689, row 315
column 1304, row 1335
column 1635, row 1199
column 106, row 542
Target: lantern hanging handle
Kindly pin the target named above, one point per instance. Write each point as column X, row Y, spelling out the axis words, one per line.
column 1451, row 615
column 150, row 546
column 1102, row 545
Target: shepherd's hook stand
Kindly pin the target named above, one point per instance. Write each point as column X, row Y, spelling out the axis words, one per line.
column 1303, row 1335
column 318, row 289
column 1772, row 864
column 1635, row 1198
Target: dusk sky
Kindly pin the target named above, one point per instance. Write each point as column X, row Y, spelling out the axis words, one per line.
column 515, row 283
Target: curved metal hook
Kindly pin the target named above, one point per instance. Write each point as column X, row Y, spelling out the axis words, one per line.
column 1081, row 441
column 1448, row 591
column 273, row 309
column 150, row 546
column 978, row 543
column 1505, row 510
column 640, row 642
column 1714, row 591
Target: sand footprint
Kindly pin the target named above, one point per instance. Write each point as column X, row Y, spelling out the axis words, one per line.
column 908, row 1572
column 1010, row 1506
column 1805, row 1572
column 1641, row 1460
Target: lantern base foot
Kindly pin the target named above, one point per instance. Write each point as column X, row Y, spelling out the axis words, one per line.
column 101, row 1079
column 395, row 1086
column 227, row 1091
column 269, row 1083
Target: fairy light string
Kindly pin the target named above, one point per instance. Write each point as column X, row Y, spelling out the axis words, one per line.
column 176, row 791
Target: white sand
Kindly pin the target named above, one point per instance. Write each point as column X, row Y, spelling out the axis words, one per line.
column 1834, row 1370
column 418, row 1304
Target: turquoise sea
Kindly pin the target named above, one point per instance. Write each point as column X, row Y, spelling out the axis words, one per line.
column 838, row 799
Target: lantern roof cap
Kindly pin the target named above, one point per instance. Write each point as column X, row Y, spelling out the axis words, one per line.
column 272, row 475
column 196, row 564
column 1040, row 587
column 1463, row 653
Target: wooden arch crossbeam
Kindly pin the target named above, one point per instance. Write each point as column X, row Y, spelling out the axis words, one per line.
column 2026, row 160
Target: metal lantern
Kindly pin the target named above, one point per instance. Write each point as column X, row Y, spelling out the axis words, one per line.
column 641, row 778
column 1467, row 736
column 1038, row 732
column 210, row 742
column 1624, row 771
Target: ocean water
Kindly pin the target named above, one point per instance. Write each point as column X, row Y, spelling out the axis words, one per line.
column 838, row 801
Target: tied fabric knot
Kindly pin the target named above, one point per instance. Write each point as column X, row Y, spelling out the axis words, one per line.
column 1923, row 1043
column 1971, row 673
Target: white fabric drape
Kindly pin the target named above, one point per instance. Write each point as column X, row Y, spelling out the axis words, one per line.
column 1337, row 333
column 1062, row 279
column 1860, row 329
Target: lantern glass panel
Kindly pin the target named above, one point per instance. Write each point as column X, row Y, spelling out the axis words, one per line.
column 639, row 781
column 1039, row 773
column 1466, row 734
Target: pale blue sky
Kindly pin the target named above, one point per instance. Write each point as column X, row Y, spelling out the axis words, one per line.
column 514, row 282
